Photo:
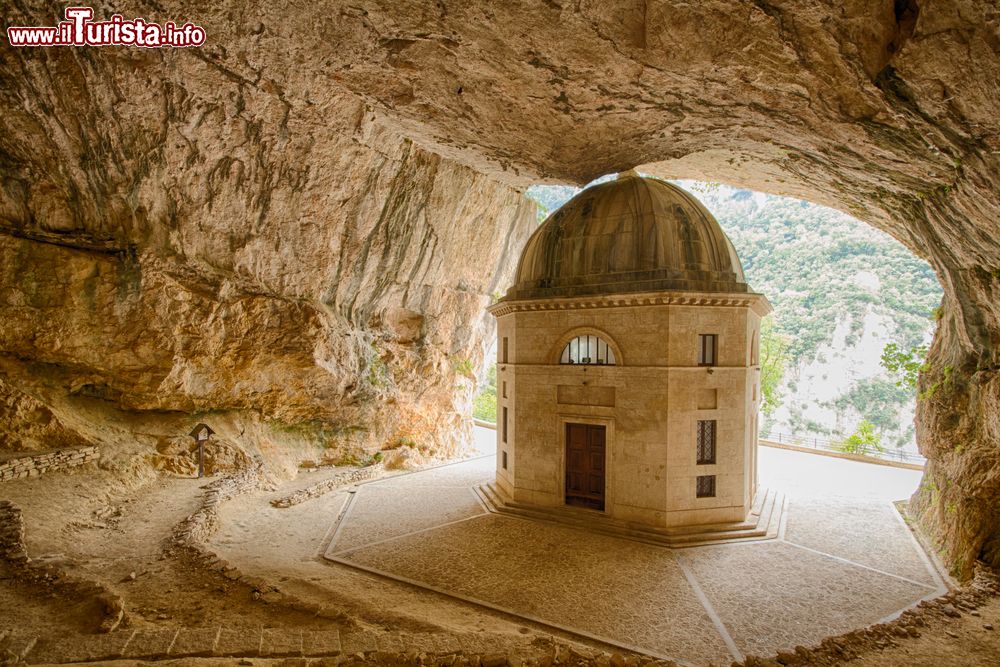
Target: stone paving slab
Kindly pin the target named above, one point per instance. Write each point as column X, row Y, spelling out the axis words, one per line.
column 281, row 643
column 238, row 641
column 150, row 643
column 392, row 642
column 772, row 596
column 82, row 648
column 195, row 642
column 358, row 641
column 381, row 512
column 321, row 642
column 156, row 643
column 620, row 591
column 463, row 474
column 869, row 533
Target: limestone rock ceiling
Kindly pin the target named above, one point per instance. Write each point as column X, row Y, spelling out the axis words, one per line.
column 571, row 90
column 886, row 110
column 268, row 181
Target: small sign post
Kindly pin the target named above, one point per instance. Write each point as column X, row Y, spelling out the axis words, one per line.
column 200, row 433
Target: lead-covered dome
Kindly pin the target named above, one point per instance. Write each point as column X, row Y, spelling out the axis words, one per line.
column 633, row 234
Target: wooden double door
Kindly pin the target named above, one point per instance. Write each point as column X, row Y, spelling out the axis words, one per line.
column 585, row 444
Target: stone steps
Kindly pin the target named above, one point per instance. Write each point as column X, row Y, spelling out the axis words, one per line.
column 762, row 523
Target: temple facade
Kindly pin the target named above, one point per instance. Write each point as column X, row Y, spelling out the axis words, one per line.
column 628, row 371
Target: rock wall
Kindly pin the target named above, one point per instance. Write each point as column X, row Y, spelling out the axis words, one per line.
column 243, row 227
column 179, row 241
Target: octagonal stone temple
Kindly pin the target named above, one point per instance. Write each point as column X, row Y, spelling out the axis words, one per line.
column 628, row 364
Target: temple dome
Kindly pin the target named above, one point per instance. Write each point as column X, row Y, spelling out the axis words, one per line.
column 632, row 234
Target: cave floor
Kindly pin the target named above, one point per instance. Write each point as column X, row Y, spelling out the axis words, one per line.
column 415, row 561
column 838, row 564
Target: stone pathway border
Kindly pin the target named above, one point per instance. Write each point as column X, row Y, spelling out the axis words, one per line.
column 346, row 478
column 193, row 534
column 14, row 553
column 860, row 458
column 195, row 530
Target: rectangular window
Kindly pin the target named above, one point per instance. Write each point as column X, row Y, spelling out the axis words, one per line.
column 706, row 441
column 504, row 389
column 706, row 486
column 504, row 460
column 708, row 348
column 505, row 424
column 503, row 356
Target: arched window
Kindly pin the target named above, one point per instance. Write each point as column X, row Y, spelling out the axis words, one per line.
column 588, row 349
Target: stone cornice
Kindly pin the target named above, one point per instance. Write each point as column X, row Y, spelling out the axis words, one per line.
column 758, row 302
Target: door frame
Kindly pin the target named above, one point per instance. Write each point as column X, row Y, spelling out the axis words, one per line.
column 609, row 471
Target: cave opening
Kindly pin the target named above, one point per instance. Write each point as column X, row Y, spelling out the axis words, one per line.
column 855, row 314
column 292, row 232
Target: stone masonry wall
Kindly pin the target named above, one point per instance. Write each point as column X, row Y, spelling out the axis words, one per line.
column 322, row 488
column 36, row 464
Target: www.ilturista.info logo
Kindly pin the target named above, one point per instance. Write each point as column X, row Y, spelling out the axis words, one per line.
column 79, row 30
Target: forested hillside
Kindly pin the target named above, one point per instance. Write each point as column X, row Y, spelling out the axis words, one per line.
column 841, row 291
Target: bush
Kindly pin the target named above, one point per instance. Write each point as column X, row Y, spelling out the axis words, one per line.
column 464, row 368
column 865, row 440
column 906, row 365
column 484, row 404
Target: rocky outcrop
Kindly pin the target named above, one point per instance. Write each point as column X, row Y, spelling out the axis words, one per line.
column 178, row 237
column 29, row 425
column 244, row 227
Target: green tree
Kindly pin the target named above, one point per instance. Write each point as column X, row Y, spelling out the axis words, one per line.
column 905, row 365
column 877, row 400
column 773, row 360
column 484, row 403
column 703, row 186
column 864, row 440
column 541, row 212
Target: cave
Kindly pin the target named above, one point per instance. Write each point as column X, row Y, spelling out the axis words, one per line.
column 293, row 231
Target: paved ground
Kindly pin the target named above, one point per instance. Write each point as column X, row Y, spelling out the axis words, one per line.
column 811, row 475
column 845, row 559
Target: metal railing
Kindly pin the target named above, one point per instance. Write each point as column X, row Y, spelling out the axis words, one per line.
column 827, row 444
column 830, row 445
